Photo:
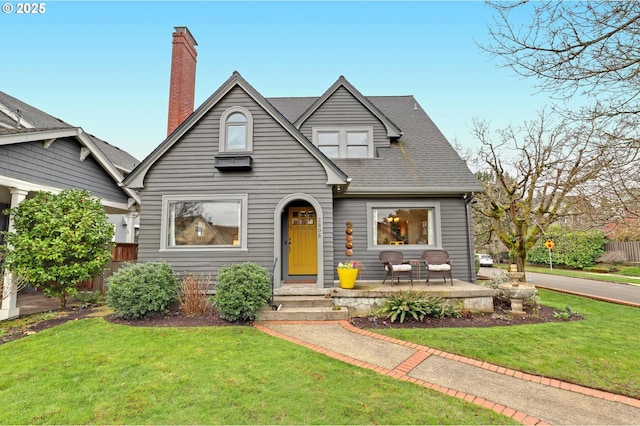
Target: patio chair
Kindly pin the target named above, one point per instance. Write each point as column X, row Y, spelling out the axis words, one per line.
column 437, row 262
column 395, row 266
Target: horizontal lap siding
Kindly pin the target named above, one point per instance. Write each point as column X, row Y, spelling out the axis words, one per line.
column 58, row 166
column 281, row 166
column 453, row 230
column 342, row 109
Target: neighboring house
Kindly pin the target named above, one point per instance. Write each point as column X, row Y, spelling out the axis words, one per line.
column 285, row 175
column 41, row 152
column 122, row 229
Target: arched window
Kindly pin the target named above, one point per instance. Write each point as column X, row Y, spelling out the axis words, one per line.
column 236, row 130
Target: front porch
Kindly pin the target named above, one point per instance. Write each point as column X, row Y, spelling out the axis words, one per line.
column 368, row 296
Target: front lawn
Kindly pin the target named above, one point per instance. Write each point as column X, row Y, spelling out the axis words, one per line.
column 600, row 351
column 93, row 372
column 619, row 277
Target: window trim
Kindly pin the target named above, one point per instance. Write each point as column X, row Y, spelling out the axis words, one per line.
column 244, row 202
column 342, row 139
column 372, row 226
column 223, row 130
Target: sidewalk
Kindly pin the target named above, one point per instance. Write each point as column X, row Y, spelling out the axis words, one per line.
column 526, row 398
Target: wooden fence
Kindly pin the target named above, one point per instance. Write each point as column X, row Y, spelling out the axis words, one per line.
column 631, row 249
column 120, row 254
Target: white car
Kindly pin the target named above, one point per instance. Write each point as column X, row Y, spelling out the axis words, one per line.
column 485, row 260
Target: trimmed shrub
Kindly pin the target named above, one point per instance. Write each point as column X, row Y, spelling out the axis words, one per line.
column 241, row 290
column 140, row 289
column 574, row 249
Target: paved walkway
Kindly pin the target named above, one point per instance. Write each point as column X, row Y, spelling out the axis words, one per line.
column 34, row 302
column 526, row 398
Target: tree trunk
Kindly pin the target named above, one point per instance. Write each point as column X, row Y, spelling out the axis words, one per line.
column 520, row 254
column 63, row 298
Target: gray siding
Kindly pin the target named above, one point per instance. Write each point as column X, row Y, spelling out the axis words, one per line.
column 281, row 166
column 454, row 232
column 58, row 166
column 342, row 109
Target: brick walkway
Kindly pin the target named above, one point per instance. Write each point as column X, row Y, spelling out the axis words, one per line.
column 527, row 398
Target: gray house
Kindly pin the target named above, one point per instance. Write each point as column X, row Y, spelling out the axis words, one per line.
column 277, row 180
column 39, row 152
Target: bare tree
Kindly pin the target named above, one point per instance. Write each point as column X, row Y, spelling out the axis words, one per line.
column 590, row 49
column 532, row 173
column 587, row 54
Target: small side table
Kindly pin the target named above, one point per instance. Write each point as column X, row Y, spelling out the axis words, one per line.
column 418, row 263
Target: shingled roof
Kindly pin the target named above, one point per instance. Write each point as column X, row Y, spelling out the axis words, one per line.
column 421, row 162
column 19, row 117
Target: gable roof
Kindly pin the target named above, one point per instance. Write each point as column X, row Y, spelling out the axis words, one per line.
column 20, row 122
column 392, row 130
column 335, row 176
column 420, row 162
column 17, row 116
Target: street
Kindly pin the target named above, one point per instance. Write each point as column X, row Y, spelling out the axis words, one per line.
column 617, row 291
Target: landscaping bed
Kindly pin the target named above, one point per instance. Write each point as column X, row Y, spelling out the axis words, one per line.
column 175, row 318
column 501, row 317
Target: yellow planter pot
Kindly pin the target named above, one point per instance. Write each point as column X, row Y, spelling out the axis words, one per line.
column 347, row 277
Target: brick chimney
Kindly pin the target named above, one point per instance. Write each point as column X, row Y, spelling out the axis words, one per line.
column 183, row 77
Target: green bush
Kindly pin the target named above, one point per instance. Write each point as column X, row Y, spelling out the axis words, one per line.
column 411, row 304
column 242, row 289
column 575, row 249
column 140, row 289
column 57, row 241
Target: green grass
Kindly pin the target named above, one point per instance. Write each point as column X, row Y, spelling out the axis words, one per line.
column 94, row 372
column 600, row 351
column 582, row 274
column 632, row 271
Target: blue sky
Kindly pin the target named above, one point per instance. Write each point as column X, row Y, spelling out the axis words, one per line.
column 104, row 66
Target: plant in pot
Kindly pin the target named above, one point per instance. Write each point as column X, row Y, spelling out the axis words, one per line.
column 347, row 274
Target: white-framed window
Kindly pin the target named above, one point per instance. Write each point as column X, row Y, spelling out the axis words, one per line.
column 397, row 224
column 236, row 130
column 344, row 142
column 211, row 222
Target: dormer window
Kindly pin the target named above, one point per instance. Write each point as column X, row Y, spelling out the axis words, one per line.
column 347, row 142
column 236, row 130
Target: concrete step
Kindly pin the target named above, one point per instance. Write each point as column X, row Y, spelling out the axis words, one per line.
column 303, row 301
column 302, row 314
column 302, row 307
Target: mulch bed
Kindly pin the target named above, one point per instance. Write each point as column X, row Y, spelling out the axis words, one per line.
column 499, row 318
column 175, row 318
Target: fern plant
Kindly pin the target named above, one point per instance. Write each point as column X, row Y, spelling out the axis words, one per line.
column 403, row 304
column 418, row 306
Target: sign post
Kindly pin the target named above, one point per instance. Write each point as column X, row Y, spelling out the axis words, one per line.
column 549, row 245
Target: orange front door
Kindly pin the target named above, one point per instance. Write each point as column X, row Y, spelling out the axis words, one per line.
column 302, row 241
